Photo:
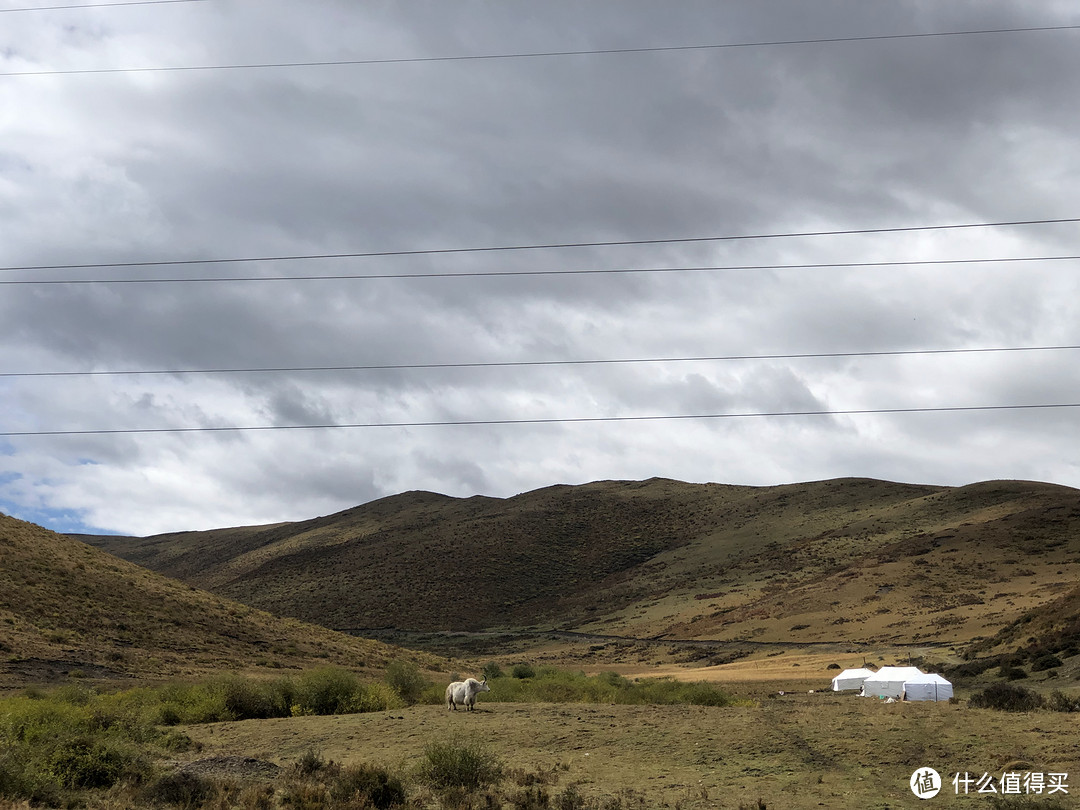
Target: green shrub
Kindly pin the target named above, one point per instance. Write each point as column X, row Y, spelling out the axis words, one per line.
column 330, row 690
column 180, row 789
column 375, row 697
column 368, row 786
column 533, row 797
column 190, row 703
column 1008, row 698
column 551, row 685
column 19, row 780
column 1012, row 673
column 405, row 678
column 570, row 799
column 492, row 671
column 311, row 762
column 1060, row 702
column 457, row 764
column 523, row 671
column 85, row 762
column 74, row 694
column 1044, row 662
column 245, row 699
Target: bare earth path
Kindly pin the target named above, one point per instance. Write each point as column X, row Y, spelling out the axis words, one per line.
column 795, row 751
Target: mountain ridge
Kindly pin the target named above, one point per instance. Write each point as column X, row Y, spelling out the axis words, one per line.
column 852, row 558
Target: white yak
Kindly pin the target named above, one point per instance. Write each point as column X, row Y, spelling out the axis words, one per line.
column 464, row 693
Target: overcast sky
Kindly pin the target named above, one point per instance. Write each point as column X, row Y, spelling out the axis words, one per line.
column 173, row 166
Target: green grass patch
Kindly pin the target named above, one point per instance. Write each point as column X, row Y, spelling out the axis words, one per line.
column 74, row 740
column 549, row 685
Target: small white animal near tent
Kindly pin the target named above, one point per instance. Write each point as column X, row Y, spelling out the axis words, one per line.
column 850, row 679
column 927, row 687
column 889, row 681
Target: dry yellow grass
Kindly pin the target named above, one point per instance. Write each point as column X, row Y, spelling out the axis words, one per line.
column 69, row 611
column 797, row 751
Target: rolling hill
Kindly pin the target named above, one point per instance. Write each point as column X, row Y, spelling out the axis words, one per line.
column 70, row 610
column 848, row 560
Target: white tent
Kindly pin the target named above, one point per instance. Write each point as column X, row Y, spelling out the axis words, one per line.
column 927, row 687
column 850, row 679
column 889, row 681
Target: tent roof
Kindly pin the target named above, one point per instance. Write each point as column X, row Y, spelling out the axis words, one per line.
column 928, row 677
column 895, row 674
column 855, row 673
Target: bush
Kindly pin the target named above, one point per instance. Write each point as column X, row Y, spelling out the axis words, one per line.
column 569, row 799
column 1008, row 698
column 533, row 797
column 523, row 671
column 330, row 690
column 1044, row 662
column 551, row 685
column 1012, row 673
column 180, row 789
column 244, row 699
column 455, row 764
column 311, row 762
column 1060, row 702
column 20, row 781
column 493, row 671
column 84, row 762
column 368, row 785
column 405, row 679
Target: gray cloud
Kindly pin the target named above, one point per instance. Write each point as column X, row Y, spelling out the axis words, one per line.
column 129, row 167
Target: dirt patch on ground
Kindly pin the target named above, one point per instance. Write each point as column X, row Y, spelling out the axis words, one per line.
column 17, row 673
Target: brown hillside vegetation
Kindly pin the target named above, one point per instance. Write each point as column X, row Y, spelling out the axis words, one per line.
column 1053, row 628
column 70, row 610
column 849, row 560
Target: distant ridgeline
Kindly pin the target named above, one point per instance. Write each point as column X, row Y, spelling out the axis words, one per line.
column 843, row 560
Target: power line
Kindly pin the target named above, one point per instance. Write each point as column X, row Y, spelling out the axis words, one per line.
column 539, row 421
column 505, row 273
column 547, row 54
column 99, row 5
column 546, row 246
column 536, row 363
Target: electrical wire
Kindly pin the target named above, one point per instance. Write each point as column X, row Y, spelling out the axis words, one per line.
column 99, row 5
column 529, row 247
column 511, row 273
column 538, row 421
column 532, row 363
column 547, row 54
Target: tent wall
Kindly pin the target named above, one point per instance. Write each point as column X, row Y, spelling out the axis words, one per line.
column 850, row 679
column 933, row 687
column 889, row 681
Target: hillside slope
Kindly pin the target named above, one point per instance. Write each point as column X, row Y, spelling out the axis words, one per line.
column 66, row 607
column 850, row 559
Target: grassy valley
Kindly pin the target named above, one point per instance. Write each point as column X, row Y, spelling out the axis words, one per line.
column 587, row 607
